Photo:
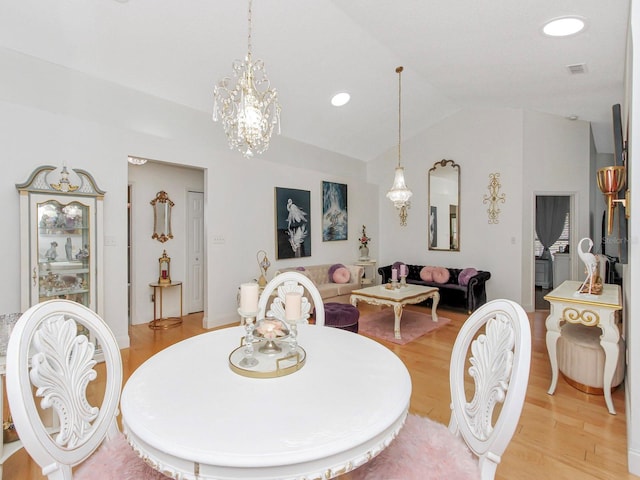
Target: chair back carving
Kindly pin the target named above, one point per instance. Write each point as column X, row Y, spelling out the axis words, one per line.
column 284, row 283
column 499, row 366
column 47, row 351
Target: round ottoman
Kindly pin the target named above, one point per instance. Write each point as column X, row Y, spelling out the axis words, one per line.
column 581, row 358
column 341, row 315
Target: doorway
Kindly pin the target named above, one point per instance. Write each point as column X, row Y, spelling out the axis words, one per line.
column 185, row 187
column 553, row 228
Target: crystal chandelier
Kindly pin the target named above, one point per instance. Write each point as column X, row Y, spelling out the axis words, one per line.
column 249, row 109
column 399, row 193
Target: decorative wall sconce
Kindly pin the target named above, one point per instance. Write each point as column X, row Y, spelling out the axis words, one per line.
column 611, row 181
column 164, row 263
column 263, row 264
column 494, row 197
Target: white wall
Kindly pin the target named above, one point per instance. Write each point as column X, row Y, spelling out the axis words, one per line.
column 532, row 152
column 51, row 115
column 556, row 159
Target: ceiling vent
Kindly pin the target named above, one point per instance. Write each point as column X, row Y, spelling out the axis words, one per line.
column 577, row 68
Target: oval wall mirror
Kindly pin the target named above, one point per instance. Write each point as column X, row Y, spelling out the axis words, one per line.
column 444, row 206
column 162, row 217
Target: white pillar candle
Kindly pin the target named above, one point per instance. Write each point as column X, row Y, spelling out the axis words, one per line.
column 403, row 270
column 394, row 274
column 292, row 304
column 249, row 297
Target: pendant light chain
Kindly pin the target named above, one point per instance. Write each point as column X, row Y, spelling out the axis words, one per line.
column 249, row 29
column 399, row 70
column 399, row 193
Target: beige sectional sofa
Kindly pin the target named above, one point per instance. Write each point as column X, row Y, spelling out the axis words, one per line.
column 330, row 291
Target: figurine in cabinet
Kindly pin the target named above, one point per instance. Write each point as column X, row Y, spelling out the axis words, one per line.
column 52, row 253
column 67, row 249
column 83, row 253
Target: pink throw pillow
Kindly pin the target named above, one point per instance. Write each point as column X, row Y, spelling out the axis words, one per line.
column 441, row 275
column 426, row 274
column 465, row 275
column 341, row 275
column 332, row 269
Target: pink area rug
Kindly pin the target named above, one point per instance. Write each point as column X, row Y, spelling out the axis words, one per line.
column 423, row 450
column 413, row 325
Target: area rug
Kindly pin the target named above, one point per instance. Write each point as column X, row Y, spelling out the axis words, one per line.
column 413, row 325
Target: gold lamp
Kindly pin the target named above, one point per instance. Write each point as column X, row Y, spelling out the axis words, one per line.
column 164, row 264
column 263, row 264
column 611, row 180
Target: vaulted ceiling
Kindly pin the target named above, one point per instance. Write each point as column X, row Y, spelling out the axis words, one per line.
column 456, row 54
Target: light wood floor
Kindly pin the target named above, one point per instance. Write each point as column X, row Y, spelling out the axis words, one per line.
column 569, row 435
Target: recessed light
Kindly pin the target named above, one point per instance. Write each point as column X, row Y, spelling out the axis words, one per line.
column 340, row 99
column 572, row 117
column 563, row 27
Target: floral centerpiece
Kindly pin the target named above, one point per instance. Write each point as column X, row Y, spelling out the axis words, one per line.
column 364, row 244
column 271, row 329
column 364, row 240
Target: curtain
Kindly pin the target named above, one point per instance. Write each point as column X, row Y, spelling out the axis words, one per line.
column 551, row 212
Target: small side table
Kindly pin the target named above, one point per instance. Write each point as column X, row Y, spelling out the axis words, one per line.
column 593, row 311
column 369, row 278
column 162, row 323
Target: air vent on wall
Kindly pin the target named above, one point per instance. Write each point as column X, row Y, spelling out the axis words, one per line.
column 577, row 68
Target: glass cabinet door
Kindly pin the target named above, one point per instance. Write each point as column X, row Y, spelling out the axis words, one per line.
column 63, row 251
column 61, row 234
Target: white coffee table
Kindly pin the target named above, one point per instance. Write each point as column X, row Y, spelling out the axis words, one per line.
column 397, row 298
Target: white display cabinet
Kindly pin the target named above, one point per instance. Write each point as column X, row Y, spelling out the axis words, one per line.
column 61, row 231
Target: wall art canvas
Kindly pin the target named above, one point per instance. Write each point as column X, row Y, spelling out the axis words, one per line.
column 334, row 212
column 293, row 223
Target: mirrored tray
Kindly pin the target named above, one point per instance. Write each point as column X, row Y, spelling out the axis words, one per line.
column 269, row 365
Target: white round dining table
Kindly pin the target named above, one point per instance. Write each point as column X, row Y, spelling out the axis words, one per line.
column 190, row 416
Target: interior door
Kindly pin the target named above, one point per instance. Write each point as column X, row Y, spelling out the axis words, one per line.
column 195, row 252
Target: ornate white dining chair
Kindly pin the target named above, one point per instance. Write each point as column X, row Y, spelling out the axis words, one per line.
column 473, row 444
column 46, row 351
column 284, row 283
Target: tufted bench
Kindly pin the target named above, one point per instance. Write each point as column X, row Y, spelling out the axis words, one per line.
column 581, row 358
column 341, row 315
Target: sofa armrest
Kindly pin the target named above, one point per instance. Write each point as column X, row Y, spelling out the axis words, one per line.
column 356, row 272
column 385, row 272
column 476, row 290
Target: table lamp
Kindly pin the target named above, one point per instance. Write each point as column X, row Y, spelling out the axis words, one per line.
column 164, row 276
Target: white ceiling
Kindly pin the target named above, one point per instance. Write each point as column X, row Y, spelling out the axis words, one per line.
column 456, row 54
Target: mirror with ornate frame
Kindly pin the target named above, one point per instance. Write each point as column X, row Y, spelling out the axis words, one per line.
column 443, row 188
column 162, row 217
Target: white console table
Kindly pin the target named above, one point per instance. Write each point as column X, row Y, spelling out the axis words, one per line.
column 567, row 305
